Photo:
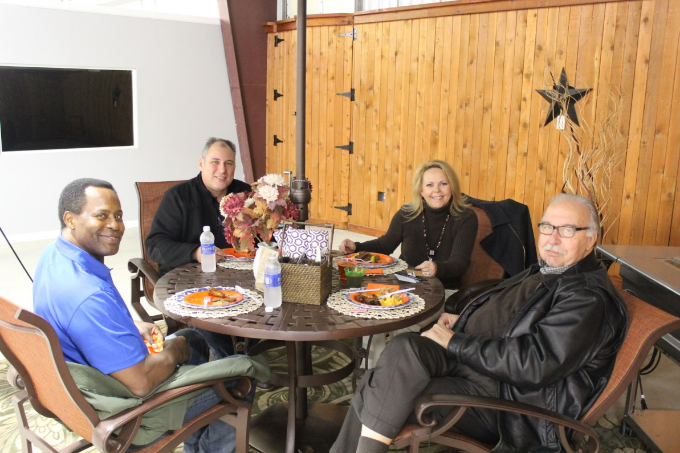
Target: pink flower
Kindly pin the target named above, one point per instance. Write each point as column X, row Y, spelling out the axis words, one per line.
column 254, row 216
column 233, row 203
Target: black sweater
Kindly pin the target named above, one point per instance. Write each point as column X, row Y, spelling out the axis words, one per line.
column 178, row 223
column 453, row 255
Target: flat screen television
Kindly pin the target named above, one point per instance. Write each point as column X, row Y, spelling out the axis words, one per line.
column 65, row 108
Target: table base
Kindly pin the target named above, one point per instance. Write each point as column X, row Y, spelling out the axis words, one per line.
column 315, row 434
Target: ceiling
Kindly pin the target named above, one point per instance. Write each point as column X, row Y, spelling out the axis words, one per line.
column 201, row 8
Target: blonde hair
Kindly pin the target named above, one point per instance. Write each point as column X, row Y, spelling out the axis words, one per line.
column 415, row 207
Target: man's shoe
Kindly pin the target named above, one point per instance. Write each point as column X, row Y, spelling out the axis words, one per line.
column 264, row 385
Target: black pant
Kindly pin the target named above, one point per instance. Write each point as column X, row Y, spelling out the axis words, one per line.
column 411, row 366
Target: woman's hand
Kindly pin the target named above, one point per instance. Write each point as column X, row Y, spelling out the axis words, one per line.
column 429, row 268
column 347, row 246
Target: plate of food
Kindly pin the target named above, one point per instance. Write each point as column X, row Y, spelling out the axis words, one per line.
column 210, row 297
column 368, row 297
column 232, row 255
column 370, row 259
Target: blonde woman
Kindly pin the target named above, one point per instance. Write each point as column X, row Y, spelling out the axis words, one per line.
column 436, row 230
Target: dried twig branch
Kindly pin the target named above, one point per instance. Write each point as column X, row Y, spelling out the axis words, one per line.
column 594, row 152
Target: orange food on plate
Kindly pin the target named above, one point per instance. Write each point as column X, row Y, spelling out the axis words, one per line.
column 371, row 297
column 218, row 297
column 368, row 258
column 157, row 345
column 232, row 252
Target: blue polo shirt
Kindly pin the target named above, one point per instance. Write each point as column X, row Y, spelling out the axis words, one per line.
column 75, row 293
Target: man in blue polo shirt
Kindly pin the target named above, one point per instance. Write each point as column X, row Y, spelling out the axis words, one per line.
column 74, row 292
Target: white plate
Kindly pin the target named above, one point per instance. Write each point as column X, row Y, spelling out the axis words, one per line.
column 378, row 307
column 180, row 297
column 233, row 258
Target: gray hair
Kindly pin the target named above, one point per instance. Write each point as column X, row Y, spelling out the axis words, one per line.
column 594, row 222
column 73, row 198
column 223, row 142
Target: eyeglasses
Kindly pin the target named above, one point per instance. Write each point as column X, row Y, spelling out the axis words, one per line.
column 565, row 231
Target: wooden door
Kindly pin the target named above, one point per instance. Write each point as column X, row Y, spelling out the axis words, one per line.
column 281, row 55
column 328, row 125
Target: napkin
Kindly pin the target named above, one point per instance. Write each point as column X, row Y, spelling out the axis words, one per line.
column 377, row 271
column 303, row 242
column 261, row 262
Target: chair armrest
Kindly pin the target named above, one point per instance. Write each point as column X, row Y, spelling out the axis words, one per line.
column 459, row 300
column 14, row 379
column 137, row 265
column 460, row 403
column 129, row 421
column 141, row 270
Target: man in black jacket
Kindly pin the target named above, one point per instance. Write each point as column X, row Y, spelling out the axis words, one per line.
column 187, row 207
column 547, row 336
column 175, row 233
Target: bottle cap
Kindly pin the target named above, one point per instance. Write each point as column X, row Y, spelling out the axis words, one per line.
column 206, row 228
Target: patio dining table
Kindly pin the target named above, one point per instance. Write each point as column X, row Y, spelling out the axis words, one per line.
column 305, row 427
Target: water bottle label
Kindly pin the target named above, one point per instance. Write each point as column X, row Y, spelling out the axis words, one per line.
column 207, row 249
column 272, row 280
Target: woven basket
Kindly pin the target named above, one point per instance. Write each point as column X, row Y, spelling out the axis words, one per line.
column 304, row 284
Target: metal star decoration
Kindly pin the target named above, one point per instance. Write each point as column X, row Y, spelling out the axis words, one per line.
column 563, row 94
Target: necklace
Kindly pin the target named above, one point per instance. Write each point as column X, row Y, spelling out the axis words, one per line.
column 432, row 251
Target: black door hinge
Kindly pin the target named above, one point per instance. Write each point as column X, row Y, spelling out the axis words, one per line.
column 349, row 147
column 277, row 40
column 277, row 95
column 347, row 208
column 349, row 94
column 277, row 140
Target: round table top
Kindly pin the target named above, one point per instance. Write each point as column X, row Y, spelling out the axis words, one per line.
column 291, row 322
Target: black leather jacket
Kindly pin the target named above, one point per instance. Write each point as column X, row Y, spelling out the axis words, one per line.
column 557, row 352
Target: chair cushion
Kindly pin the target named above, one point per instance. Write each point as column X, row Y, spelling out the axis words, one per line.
column 109, row 397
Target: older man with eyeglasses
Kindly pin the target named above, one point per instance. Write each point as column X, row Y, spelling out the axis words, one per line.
column 547, row 336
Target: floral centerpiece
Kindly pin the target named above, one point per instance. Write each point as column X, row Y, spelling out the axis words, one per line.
column 251, row 217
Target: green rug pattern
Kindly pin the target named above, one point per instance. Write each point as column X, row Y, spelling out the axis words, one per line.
column 337, row 393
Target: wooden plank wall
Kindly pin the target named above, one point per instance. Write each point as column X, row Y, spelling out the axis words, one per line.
column 457, row 81
column 329, row 64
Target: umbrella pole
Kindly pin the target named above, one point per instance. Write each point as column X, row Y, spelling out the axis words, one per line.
column 300, row 193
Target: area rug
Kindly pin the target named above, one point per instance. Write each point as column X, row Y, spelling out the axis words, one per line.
column 338, row 393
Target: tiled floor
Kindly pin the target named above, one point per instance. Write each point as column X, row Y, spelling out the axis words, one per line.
column 661, row 388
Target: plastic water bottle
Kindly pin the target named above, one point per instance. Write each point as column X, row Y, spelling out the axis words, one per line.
column 272, row 283
column 207, row 250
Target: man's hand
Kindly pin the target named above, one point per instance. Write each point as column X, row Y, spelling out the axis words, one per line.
column 219, row 254
column 439, row 334
column 182, row 348
column 147, row 330
column 447, row 320
column 146, row 375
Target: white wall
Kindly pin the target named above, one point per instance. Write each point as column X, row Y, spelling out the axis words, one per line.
column 182, row 98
